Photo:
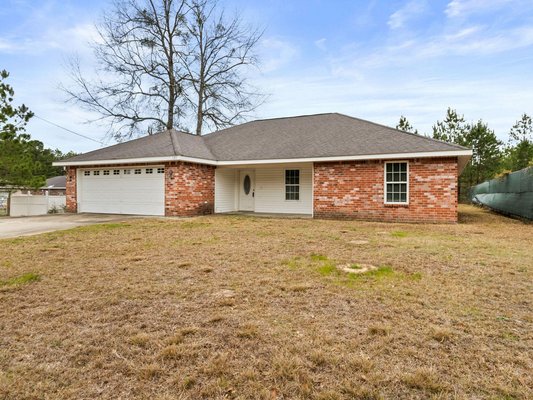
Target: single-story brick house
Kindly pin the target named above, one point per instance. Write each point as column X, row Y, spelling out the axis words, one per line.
column 324, row 165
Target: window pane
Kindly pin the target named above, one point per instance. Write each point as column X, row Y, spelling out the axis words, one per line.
column 389, row 176
column 403, row 187
column 403, row 167
column 403, row 197
column 292, row 177
column 396, row 196
column 389, row 196
column 403, row 177
column 389, row 167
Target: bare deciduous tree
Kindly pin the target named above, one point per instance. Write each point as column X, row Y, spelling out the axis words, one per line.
column 161, row 63
column 218, row 50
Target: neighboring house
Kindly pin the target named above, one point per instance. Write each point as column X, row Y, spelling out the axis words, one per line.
column 324, row 165
column 55, row 186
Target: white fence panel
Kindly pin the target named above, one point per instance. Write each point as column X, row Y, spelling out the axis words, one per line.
column 26, row 205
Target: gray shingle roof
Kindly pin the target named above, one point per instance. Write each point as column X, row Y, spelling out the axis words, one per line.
column 56, row 182
column 308, row 136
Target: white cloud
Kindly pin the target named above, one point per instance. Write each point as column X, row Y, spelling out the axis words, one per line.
column 71, row 38
column 321, row 44
column 467, row 41
column 462, row 8
column 276, row 53
column 411, row 10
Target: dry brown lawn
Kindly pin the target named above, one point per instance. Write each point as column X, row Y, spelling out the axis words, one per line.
column 232, row 307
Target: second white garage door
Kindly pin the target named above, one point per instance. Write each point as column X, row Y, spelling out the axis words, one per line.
column 122, row 191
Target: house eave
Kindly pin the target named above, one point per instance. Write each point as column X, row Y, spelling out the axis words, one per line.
column 462, row 155
column 139, row 160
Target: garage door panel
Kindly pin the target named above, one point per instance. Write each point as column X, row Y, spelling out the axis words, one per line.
column 142, row 194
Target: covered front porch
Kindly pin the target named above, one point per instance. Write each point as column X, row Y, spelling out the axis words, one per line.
column 285, row 189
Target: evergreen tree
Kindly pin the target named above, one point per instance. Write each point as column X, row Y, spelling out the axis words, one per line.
column 520, row 150
column 486, row 156
column 452, row 129
column 24, row 162
column 405, row 126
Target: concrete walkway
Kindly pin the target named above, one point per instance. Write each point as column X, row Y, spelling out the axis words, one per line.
column 25, row 226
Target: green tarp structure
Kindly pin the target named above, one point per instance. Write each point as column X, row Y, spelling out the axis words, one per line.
column 512, row 194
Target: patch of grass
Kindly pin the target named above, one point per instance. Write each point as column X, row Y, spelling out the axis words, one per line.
column 194, row 224
column 415, row 276
column 399, row 234
column 292, row 263
column 21, row 280
column 150, row 371
column 140, row 340
column 379, row 330
column 172, row 352
column 442, row 334
column 424, row 379
column 382, row 272
column 319, row 257
column 188, row 382
column 102, row 227
column 248, row 331
column 327, row 269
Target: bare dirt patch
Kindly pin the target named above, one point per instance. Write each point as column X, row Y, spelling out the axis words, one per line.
column 232, row 307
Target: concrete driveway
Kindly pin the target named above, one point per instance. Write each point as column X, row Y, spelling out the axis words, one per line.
column 25, row 226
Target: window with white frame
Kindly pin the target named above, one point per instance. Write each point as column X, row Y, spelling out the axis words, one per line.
column 96, row 173
column 116, row 172
column 161, row 170
column 396, row 183
column 137, row 172
column 292, row 184
column 86, row 173
column 127, row 172
column 106, row 172
column 149, row 170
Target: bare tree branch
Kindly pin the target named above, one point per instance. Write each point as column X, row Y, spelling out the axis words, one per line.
column 163, row 62
column 219, row 52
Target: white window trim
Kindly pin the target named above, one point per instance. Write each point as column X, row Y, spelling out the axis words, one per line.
column 299, row 185
column 402, row 203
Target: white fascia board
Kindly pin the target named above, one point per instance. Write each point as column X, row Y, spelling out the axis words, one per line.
column 141, row 160
column 396, row 156
column 146, row 160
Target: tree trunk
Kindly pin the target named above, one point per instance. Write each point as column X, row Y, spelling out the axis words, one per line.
column 199, row 114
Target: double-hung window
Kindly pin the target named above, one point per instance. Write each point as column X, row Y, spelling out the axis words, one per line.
column 396, row 183
column 292, row 184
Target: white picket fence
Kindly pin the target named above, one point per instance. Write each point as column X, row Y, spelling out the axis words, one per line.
column 27, row 204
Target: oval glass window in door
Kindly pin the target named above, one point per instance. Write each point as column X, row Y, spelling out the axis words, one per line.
column 247, row 184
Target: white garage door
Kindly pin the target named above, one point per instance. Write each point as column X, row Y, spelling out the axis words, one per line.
column 122, row 191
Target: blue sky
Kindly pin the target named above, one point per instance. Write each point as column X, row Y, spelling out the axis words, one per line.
column 371, row 59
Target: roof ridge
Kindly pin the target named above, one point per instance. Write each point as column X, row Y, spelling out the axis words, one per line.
column 399, row 130
column 294, row 116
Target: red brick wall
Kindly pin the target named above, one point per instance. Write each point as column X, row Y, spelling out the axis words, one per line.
column 189, row 189
column 71, row 200
column 355, row 190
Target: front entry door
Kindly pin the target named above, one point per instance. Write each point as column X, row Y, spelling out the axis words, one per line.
column 247, row 191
